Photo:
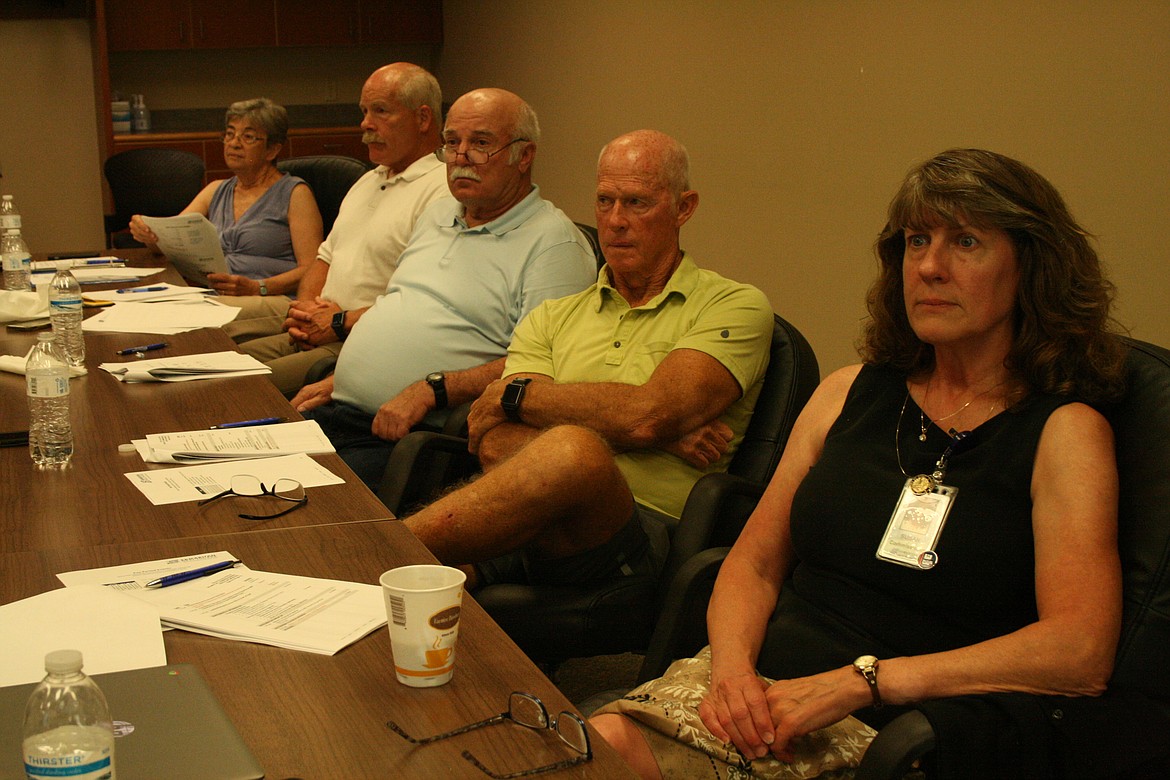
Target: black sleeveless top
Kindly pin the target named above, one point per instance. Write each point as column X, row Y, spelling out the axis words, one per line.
column 841, row 601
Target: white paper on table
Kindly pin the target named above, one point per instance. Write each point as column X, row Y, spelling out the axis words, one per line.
column 234, row 444
column 192, row 483
column 166, row 318
column 169, row 292
column 191, row 243
column 134, row 576
column 185, row 368
column 100, row 275
column 300, row 613
column 15, row 364
column 50, row 266
column 113, row 631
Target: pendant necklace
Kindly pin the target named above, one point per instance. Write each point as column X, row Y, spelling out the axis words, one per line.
column 923, row 419
column 922, row 483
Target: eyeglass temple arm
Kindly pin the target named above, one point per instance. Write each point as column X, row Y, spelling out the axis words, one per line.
column 454, row 732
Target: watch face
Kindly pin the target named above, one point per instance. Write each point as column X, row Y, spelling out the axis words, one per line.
column 865, row 663
column 434, row 376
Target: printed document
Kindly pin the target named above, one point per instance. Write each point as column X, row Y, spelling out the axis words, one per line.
column 258, row 441
column 300, row 613
column 166, row 318
column 193, row 483
column 191, row 243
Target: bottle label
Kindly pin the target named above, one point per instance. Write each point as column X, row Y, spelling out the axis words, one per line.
column 65, row 304
column 47, row 386
column 10, row 221
column 13, row 261
column 94, row 765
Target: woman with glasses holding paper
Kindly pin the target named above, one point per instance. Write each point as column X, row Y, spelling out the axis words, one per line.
column 268, row 221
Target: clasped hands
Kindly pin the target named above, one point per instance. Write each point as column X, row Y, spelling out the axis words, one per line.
column 310, row 323
column 760, row 719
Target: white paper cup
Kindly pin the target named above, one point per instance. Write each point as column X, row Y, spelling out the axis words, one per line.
column 422, row 612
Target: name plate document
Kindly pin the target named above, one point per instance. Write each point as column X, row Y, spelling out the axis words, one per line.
column 187, row 368
column 258, row 441
column 191, row 243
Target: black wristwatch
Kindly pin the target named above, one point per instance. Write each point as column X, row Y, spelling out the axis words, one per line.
column 867, row 667
column 339, row 325
column 513, row 395
column 438, row 383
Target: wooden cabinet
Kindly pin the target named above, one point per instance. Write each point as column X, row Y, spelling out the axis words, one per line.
column 348, row 144
column 133, row 25
column 140, row 25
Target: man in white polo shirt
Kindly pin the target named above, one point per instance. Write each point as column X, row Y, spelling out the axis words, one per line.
column 401, row 105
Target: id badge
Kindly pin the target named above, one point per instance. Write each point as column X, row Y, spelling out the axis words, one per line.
column 916, row 525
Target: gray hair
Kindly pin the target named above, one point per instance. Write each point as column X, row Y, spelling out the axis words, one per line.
column 418, row 88
column 528, row 127
column 265, row 114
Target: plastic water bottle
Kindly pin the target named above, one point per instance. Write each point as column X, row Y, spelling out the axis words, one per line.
column 9, row 214
column 65, row 313
column 17, row 261
column 67, row 728
column 50, row 434
column 139, row 114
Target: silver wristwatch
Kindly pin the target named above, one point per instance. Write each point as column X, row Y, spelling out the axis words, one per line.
column 867, row 667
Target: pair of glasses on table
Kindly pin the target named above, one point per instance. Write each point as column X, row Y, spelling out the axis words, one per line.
column 529, row 711
column 247, row 486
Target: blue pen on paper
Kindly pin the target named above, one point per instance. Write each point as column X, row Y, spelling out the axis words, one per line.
column 193, row 574
column 249, row 423
column 144, row 348
column 141, row 289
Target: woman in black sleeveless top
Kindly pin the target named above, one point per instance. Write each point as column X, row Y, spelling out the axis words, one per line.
column 943, row 520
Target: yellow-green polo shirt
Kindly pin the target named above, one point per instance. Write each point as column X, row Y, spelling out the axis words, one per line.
column 594, row 336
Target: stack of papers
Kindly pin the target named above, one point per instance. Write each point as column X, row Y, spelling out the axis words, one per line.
column 195, row 483
column 299, row 613
column 99, row 274
column 258, row 441
column 166, row 318
column 185, row 368
column 163, row 291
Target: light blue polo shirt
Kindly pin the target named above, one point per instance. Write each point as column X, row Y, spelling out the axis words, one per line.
column 457, row 295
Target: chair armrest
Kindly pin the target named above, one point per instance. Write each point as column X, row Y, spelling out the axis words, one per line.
column 421, row 464
column 714, row 513
column 321, row 369
column 896, row 747
column 681, row 629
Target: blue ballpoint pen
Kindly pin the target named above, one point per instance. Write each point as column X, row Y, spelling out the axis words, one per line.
column 184, row 576
column 141, row 289
column 145, row 348
column 249, row 423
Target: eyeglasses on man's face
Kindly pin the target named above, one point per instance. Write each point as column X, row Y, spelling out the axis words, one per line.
column 247, row 486
column 247, row 138
column 527, row 710
column 476, row 152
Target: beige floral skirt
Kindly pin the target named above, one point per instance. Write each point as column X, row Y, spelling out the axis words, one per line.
column 666, row 711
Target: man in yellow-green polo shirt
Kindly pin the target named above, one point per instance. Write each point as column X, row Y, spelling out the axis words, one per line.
column 613, row 401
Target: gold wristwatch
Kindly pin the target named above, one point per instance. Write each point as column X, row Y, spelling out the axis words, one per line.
column 867, row 667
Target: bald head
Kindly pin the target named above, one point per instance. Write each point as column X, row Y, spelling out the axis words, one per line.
column 510, row 114
column 400, row 115
column 652, row 154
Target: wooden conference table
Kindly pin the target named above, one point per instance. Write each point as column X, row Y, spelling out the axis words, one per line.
column 303, row 715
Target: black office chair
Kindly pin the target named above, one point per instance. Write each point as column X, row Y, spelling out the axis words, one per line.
column 554, row 623
column 329, row 177
column 590, row 234
column 1141, row 424
column 154, row 182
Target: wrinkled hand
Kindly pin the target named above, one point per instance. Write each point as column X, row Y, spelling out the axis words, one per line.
column 486, row 413
column 310, row 324
column 736, row 711
column 704, row 445
column 233, row 284
column 314, row 395
column 805, row 704
column 397, row 416
column 141, row 232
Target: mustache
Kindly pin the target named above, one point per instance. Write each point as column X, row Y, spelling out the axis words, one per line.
column 370, row 138
column 463, row 172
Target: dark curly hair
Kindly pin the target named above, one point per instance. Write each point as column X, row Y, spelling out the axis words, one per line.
column 1065, row 341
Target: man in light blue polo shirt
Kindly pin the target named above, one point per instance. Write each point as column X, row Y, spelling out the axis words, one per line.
column 473, row 268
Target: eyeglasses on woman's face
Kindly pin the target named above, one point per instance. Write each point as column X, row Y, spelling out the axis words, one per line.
column 247, row 138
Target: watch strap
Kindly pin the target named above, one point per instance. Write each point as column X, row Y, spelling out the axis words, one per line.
column 339, row 325
column 263, row 287
column 867, row 667
column 513, row 395
column 438, row 382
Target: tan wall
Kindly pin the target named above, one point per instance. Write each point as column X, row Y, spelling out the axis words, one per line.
column 802, row 117
column 48, row 132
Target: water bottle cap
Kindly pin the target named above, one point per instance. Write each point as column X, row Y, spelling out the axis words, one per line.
column 63, row 661
column 6, row 197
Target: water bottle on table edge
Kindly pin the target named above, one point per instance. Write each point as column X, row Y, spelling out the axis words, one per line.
column 17, row 261
column 65, row 314
column 50, row 434
column 68, row 732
